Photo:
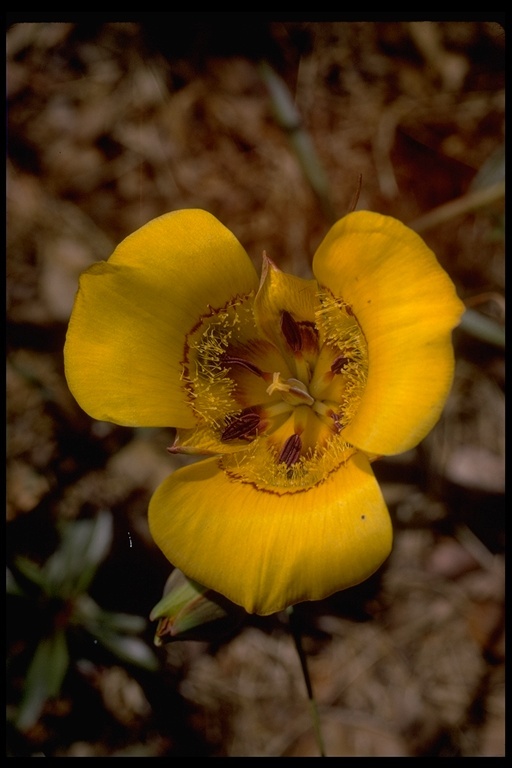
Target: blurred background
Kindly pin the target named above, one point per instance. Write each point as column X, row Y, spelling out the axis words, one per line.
column 275, row 127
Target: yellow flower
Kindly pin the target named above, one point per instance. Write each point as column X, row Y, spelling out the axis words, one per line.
column 291, row 387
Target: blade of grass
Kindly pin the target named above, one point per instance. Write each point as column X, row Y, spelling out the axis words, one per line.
column 289, row 119
column 461, row 205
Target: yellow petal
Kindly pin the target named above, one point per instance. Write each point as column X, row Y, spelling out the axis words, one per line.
column 278, row 293
column 126, row 336
column 407, row 307
column 203, row 441
column 266, row 550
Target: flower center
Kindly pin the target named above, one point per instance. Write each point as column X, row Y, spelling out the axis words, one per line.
column 292, row 390
column 276, row 403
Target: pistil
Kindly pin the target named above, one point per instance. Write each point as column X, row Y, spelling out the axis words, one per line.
column 292, row 391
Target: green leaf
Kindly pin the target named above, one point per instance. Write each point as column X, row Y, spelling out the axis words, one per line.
column 32, row 572
column 88, row 614
column 11, row 585
column 132, row 650
column 124, row 622
column 114, row 631
column 84, row 546
column 44, row 678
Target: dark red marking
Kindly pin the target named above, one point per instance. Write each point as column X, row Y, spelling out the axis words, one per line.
column 291, row 331
column 230, row 360
column 340, row 363
column 242, row 427
column 290, row 452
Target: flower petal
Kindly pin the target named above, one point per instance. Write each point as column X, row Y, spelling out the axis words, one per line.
column 125, row 340
column 280, row 292
column 266, row 550
column 284, row 311
column 406, row 306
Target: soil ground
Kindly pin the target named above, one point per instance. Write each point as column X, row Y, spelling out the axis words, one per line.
column 113, row 123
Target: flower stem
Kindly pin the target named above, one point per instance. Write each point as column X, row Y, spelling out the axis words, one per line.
column 295, row 627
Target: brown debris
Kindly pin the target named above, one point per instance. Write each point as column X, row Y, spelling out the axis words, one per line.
column 112, row 124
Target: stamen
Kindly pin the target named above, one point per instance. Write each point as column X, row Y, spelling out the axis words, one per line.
column 245, row 426
column 291, row 331
column 290, row 452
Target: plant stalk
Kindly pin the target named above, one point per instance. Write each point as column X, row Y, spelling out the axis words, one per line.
column 295, row 627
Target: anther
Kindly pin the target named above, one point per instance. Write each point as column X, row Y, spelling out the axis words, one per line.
column 242, row 427
column 290, row 452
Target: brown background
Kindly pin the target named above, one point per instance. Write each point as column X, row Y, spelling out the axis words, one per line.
column 113, row 123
